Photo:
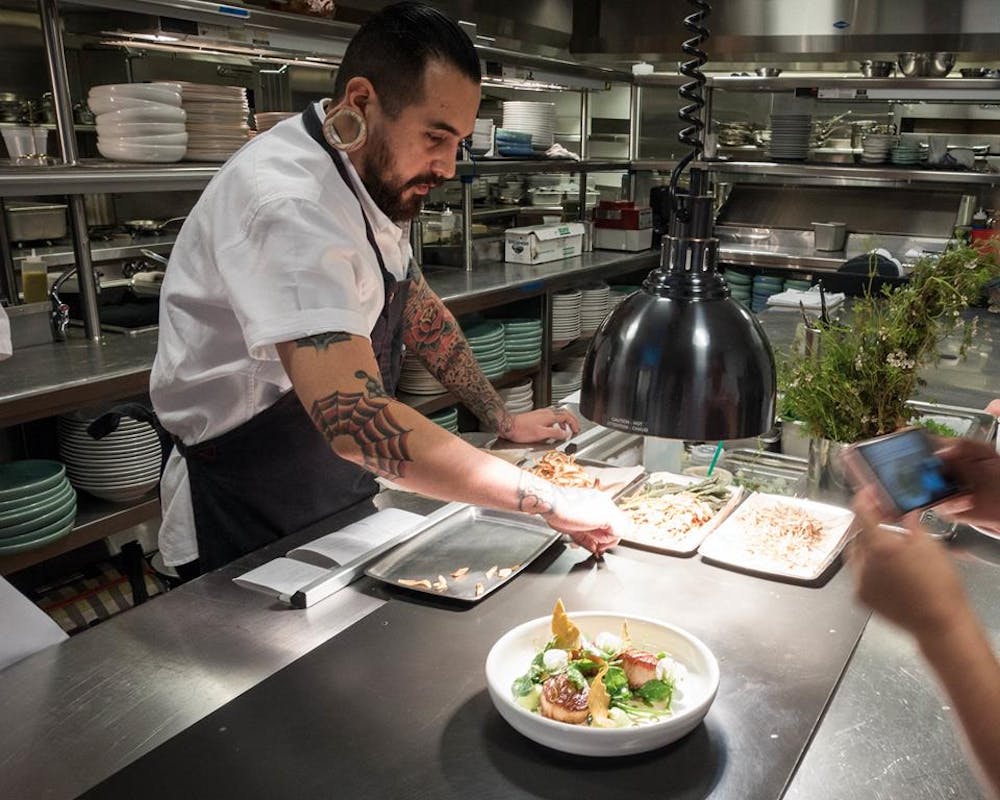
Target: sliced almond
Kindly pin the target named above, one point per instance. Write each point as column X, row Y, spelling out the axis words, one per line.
column 460, row 573
column 480, row 588
column 504, row 572
column 491, row 572
column 440, row 585
column 423, row 583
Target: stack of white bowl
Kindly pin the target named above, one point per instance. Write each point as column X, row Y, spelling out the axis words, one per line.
column 790, row 136
column 566, row 315
column 121, row 467
column 216, row 120
column 519, row 398
column 538, row 119
column 415, row 379
column 593, row 308
column 265, row 120
column 565, row 384
column 139, row 121
column 875, row 148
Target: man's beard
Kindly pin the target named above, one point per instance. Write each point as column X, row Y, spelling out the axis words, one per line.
column 386, row 190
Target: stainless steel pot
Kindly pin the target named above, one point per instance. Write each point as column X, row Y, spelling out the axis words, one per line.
column 138, row 227
column 926, row 65
column 877, row 69
column 100, row 210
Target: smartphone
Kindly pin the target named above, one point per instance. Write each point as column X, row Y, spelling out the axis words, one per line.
column 909, row 475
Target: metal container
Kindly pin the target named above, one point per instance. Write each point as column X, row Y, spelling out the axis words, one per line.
column 877, row 69
column 31, row 222
column 830, row 235
column 926, row 65
column 30, row 324
column 100, row 210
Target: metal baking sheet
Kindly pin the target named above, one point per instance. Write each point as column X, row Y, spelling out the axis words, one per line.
column 624, row 477
column 730, row 544
column 686, row 545
column 472, row 537
column 979, row 425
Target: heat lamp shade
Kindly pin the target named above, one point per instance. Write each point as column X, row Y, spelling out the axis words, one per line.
column 680, row 369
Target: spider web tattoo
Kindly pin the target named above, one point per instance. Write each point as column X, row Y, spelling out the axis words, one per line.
column 366, row 417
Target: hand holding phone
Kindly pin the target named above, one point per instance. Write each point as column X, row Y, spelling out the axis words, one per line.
column 904, row 470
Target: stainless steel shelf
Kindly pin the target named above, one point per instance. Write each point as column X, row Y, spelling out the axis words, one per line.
column 114, row 249
column 536, row 166
column 103, row 176
column 790, row 81
column 653, row 165
column 850, row 174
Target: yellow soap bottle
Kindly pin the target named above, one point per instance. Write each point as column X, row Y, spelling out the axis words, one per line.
column 34, row 279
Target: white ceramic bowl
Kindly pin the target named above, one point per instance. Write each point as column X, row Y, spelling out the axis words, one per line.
column 511, row 656
column 156, row 112
column 103, row 104
column 115, row 129
column 150, row 153
column 167, row 139
column 169, row 93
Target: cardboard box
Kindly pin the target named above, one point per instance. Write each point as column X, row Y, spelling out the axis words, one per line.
column 623, row 240
column 536, row 244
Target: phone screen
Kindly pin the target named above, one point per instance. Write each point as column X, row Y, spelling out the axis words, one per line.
column 909, row 470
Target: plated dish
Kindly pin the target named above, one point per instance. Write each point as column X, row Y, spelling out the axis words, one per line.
column 648, row 683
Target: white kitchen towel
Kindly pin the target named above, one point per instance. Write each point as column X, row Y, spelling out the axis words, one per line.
column 790, row 298
column 6, row 348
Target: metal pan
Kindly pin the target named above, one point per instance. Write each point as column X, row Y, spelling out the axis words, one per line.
column 138, row 227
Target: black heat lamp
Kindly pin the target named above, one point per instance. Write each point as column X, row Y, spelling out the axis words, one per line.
column 681, row 359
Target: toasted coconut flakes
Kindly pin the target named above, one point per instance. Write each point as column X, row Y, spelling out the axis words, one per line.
column 491, row 572
column 422, row 583
column 458, row 574
column 504, row 573
column 440, row 585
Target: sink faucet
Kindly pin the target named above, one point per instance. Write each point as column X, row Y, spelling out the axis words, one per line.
column 60, row 310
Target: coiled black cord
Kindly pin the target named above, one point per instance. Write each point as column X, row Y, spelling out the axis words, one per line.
column 692, row 92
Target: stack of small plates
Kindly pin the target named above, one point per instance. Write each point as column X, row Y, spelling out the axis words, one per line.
column 538, row 119
column 790, row 136
column 520, row 398
column 618, row 294
column 763, row 287
column 216, row 120
column 798, row 285
column 905, row 152
column 566, row 315
column 37, row 505
column 875, row 148
column 447, row 419
column 564, row 384
column 523, row 342
column 121, row 467
column 739, row 286
column 415, row 379
column 265, row 120
column 141, row 122
column 489, row 347
column 593, row 308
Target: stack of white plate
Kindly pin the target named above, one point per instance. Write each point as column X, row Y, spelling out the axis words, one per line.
column 489, row 347
column 564, row 384
column 538, row 119
column 415, row 379
column 121, row 467
column 37, row 505
column 482, row 136
column 141, row 122
column 593, row 308
column 566, row 315
column 905, row 152
column 216, row 120
column 790, row 136
column 266, row 120
column 519, row 398
column 875, row 148
column 523, row 342
column 618, row 294
column 447, row 419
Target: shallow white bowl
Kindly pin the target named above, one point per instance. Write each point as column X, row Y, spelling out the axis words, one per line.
column 164, row 139
column 511, row 656
column 149, row 153
column 169, row 93
column 103, row 104
column 156, row 112
column 116, row 129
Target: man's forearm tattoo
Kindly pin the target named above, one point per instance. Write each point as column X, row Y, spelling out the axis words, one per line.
column 432, row 334
column 367, row 418
column 536, row 495
column 321, row 341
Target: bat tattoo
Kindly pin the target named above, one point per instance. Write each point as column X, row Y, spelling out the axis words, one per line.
column 321, row 341
column 366, row 418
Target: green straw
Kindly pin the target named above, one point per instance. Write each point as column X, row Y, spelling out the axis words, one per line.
column 715, row 459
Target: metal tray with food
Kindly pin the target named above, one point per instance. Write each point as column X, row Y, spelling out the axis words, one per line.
column 673, row 514
column 764, row 471
column 784, row 537
column 616, row 448
column 945, row 420
column 570, row 471
column 466, row 555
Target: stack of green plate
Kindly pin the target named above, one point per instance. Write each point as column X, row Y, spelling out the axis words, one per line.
column 523, row 342
column 739, row 286
column 37, row 504
column 798, row 285
column 488, row 346
column 447, row 419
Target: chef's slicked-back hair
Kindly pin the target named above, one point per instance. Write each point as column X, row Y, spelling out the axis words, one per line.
column 392, row 50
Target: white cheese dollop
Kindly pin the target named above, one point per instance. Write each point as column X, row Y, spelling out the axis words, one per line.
column 555, row 660
column 669, row 669
column 608, row 642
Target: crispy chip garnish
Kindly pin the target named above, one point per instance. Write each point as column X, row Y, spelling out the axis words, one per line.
column 423, row 583
column 480, row 588
column 440, row 585
column 504, row 572
column 566, row 633
column 562, row 470
column 460, row 573
column 491, row 572
column 626, row 633
column 598, row 700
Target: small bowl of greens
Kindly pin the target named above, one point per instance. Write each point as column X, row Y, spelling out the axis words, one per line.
column 603, row 683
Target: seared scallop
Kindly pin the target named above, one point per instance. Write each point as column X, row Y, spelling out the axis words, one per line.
column 639, row 666
column 562, row 701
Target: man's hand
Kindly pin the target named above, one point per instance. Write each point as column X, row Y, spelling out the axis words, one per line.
column 976, row 466
column 540, row 425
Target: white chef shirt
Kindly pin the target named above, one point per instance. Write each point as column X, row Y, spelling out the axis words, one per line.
column 274, row 250
column 6, row 349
